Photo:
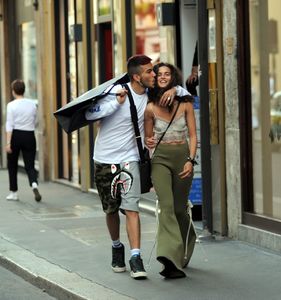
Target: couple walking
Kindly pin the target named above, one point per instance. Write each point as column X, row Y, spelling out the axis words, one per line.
column 157, row 94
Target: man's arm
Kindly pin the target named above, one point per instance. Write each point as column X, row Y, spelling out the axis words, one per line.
column 168, row 97
column 106, row 106
column 180, row 91
column 101, row 109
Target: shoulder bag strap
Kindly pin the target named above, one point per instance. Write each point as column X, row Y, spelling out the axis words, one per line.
column 134, row 117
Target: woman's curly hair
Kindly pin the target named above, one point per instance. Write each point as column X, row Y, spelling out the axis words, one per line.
column 155, row 94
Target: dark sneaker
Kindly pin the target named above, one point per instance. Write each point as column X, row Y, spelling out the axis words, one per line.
column 118, row 259
column 137, row 268
column 37, row 195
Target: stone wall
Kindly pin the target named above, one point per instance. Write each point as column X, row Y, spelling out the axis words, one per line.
column 232, row 131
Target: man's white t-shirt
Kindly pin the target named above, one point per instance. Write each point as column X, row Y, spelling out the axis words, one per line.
column 115, row 142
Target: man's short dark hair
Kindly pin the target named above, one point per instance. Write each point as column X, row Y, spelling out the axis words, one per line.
column 18, row 87
column 134, row 63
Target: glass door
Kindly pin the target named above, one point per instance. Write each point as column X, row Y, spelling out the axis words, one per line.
column 67, row 87
column 73, row 140
column 147, row 30
column 29, row 68
column 265, row 47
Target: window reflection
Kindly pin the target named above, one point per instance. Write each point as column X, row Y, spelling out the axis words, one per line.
column 147, row 31
column 265, row 42
column 72, row 48
column 29, row 64
column 104, row 7
column 72, row 52
column 29, row 68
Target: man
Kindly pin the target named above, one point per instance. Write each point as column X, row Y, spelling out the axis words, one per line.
column 116, row 159
column 20, row 126
column 192, row 80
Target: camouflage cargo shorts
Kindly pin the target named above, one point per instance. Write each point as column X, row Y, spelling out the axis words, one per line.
column 116, row 186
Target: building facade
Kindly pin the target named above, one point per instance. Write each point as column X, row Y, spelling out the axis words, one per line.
column 63, row 48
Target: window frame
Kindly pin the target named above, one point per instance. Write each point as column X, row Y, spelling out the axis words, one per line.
column 245, row 120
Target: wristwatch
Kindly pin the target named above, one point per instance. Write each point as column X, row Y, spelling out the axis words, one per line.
column 192, row 160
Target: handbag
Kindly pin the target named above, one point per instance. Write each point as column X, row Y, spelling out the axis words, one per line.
column 145, row 160
column 145, row 172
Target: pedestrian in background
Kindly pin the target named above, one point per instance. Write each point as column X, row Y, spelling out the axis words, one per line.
column 116, row 159
column 192, row 80
column 20, row 137
column 172, row 170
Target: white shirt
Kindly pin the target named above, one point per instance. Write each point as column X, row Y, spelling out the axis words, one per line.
column 21, row 115
column 116, row 141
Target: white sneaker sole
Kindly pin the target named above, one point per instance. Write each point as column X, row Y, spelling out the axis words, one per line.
column 118, row 269
column 139, row 275
column 12, row 199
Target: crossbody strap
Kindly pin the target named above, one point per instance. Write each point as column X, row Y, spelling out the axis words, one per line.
column 134, row 117
column 168, row 125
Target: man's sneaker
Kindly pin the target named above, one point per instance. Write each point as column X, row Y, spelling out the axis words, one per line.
column 118, row 259
column 13, row 196
column 37, row 195
column 137, row 268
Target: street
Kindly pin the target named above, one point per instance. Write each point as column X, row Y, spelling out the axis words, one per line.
column 13, row 287
column 63, row 246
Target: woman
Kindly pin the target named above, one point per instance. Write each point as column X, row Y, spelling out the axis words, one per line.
column 20, row 126
column 172, row 171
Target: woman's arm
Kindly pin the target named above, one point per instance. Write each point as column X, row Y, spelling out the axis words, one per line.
column 8, row 142
column 9, row 129
column 148, row 127
column 191, row 124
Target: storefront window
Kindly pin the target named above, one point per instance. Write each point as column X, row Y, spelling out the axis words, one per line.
column 265, row 42
column 29, row 63
column 104, row 7
column 29, row 68
column 72, row 48
column 147, row 31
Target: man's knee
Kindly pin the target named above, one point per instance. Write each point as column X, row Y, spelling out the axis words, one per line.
column 132, row 214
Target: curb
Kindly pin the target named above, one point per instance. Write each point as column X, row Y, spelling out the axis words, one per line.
column 52, row 279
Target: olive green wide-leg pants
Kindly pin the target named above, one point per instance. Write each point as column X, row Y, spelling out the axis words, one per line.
column 172, row 193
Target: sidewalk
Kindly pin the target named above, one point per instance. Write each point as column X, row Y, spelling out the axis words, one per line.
column 62, row 246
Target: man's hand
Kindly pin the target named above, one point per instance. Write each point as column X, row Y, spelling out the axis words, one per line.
column 121, row 96
column 168, row 97
column 150, row 142
column 194, row 75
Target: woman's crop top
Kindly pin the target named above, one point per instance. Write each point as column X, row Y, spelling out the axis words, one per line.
column 176, row 133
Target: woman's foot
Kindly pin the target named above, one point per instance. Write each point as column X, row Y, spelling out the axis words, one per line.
column 13, row 196
column 185, row 264
column 170, row 270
